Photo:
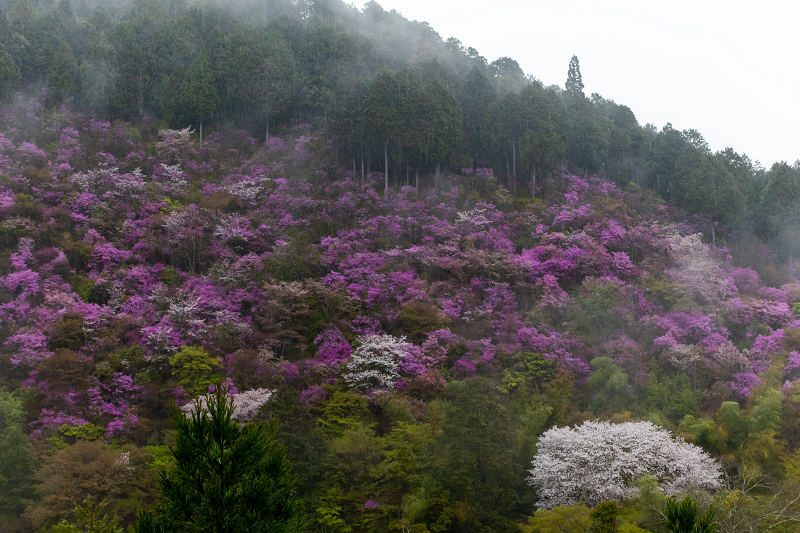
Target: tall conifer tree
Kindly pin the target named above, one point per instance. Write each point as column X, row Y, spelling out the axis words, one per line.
column 574, row 85
column 226, row 478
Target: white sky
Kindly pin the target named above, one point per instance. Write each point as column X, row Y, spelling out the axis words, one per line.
column 729, row 69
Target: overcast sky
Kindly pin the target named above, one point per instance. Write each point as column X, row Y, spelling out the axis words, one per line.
column 729, row 69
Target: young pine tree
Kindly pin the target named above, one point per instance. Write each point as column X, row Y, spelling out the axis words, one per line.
column 225, row 477
column 682, row 517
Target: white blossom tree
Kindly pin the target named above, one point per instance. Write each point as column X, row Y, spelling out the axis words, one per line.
column 375, row 363
column 246, row 405
column 685, row 357
column 600, row 461
column 697, row 275
column 174, row 144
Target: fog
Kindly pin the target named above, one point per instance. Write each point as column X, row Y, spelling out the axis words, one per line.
column 723, row 68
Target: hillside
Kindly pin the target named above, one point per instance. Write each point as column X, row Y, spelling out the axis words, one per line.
column 419, row 262
column 138, row 264
column 394, row 92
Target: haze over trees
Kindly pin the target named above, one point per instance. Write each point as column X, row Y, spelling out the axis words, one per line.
column 438, row 279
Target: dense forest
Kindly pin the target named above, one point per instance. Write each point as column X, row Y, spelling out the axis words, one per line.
column 437, row 280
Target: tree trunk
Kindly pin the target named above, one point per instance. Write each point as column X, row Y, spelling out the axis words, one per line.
column 266, row 137
column 362, row 167
column 386, row 167
column 201, row 131
column 514, row 158
column 533, row 184
column 436, row 176
column 417, row 178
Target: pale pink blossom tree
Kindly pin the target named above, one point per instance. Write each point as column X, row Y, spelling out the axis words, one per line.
column 600, row 461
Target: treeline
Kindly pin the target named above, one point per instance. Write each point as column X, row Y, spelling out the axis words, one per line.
column 393, row 91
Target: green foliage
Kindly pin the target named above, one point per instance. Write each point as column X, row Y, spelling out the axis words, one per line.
column 526, row 367
column 733, row 422
column 766, row 413
column 172, row 205
column 116, row 474
column 89, row 518
column 68, row 332
column 84, row 287
column 532, row 413
column 419, row 319
column 130, row 358
column 10, row 76
column 62, row 71
column 198, row 92
column 599, row 315
column 704, row 433
column 572, row 519
column 169, row 275
column 650, row 502
column 327, row 517
column 762, row 445
column 16, row 461
column 193, row 369
column 68, row 434
column 345, row 410
column 224, row 477
column 161, row 457
column 604, row 518
column 574, row 84
column 433, row 506
column 682, row 518
column 419, row 123
column 407, row 456
column 479, row 454
column 684, row 399
column 610, row 383
column 531, row 130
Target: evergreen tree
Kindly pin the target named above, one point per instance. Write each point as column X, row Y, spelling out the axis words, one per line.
column 10, row 77
column 225, row 478
column 574, row 85
column 682, row 518
column 477, row 96
column 198, row 92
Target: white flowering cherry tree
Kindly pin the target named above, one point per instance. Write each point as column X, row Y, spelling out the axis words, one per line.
column 375, row 364
column 246, row 405
column 600, row 461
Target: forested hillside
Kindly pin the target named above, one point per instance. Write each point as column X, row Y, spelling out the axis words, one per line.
column 418, row 263
column 390, row 88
